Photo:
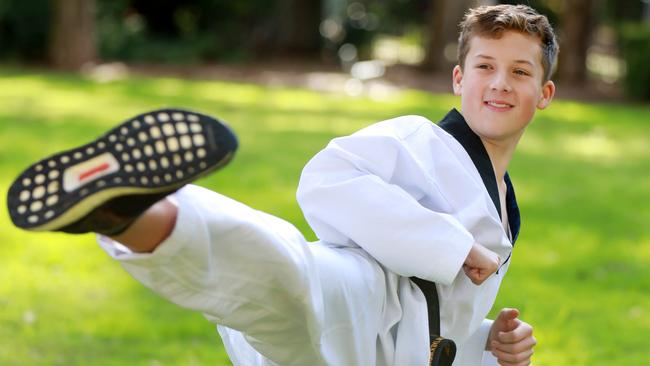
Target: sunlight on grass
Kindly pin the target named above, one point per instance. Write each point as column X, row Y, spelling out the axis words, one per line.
column 597, row 144
column 578, row 272
column 574, row 112
column 594, row 145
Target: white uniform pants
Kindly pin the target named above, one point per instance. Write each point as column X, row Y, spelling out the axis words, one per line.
column 277, row 299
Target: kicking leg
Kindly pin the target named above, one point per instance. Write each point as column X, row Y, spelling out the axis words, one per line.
column 242, row 268
column 151, row 228
column 274, row 294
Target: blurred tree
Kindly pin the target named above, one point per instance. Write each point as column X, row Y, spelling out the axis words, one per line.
column 441, row 31
column 634, row 43
column 620, row 11
column 289, row 27
column 298, row 23
column 73, row 27
column 182, row 31
column 360, row 26
column 577, row 25
column 435, row 39
column 24, row 29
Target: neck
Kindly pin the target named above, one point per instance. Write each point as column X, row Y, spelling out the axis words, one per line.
column 500, row 153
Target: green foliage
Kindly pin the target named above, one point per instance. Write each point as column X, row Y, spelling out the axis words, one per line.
column 617, row 11
column 179, row 31
column 24, row 29
column 635, row 49
column 578, row 272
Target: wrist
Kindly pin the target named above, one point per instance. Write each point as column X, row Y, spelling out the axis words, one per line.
column 471, row 255
column 486, row 329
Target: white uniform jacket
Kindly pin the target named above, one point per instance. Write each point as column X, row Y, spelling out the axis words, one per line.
column 415, row 196
column 398, row 199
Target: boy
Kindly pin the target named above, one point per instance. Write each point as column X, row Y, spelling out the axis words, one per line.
column 402, row 198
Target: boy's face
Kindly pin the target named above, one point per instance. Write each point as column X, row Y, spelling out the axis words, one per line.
column 501, row 85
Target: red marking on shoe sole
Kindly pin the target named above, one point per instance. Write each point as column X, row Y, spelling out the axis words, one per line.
column 93, row 171
column 89, row 170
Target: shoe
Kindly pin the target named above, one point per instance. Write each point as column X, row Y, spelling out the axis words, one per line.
column 105, row 185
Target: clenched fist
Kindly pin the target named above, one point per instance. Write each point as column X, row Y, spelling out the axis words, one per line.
column 480, row 263
column 511, row 340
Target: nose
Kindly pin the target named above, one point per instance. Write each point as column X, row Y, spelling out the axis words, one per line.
column 500, row 82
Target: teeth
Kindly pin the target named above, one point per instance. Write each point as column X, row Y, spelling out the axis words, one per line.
column 498, row 105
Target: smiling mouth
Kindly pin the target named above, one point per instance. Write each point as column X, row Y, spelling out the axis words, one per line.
column 499, row 105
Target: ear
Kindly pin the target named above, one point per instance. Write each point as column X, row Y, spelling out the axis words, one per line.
column 548, row 91
column 457, row 79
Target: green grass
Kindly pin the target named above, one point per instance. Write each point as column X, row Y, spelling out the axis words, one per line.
column 578, row 273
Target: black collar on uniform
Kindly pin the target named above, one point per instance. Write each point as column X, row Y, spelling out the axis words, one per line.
column 454, row 124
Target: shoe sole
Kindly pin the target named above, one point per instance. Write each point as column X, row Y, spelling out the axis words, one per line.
column 154, row 152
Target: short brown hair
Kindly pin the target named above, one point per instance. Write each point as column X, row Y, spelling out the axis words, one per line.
column 492, row 21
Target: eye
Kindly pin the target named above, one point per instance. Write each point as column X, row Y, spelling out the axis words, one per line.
column 521, row 72
column 483, row 66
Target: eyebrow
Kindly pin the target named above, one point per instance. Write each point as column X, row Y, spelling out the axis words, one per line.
column 516, row 61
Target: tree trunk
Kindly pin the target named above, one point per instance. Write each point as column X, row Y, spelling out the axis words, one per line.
column 73, row 40
column 577, row 26
column 298, row 26
column 435, row 40
column 442, row 31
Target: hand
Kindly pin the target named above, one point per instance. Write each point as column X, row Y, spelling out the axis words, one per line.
column 480, row 263
column 511, row 340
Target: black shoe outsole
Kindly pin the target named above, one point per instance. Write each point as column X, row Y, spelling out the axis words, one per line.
column 154, row 152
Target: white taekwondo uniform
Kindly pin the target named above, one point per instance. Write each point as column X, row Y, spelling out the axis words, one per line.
column 400, row 198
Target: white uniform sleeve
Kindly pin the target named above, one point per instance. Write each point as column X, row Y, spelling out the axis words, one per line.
column 473, row 348
column 479, row 340
column 363, row 189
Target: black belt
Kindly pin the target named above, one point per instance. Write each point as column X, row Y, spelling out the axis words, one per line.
column 443, row 351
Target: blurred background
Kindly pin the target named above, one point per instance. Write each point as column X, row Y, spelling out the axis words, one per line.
column 289, row 75
column 605, row 44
